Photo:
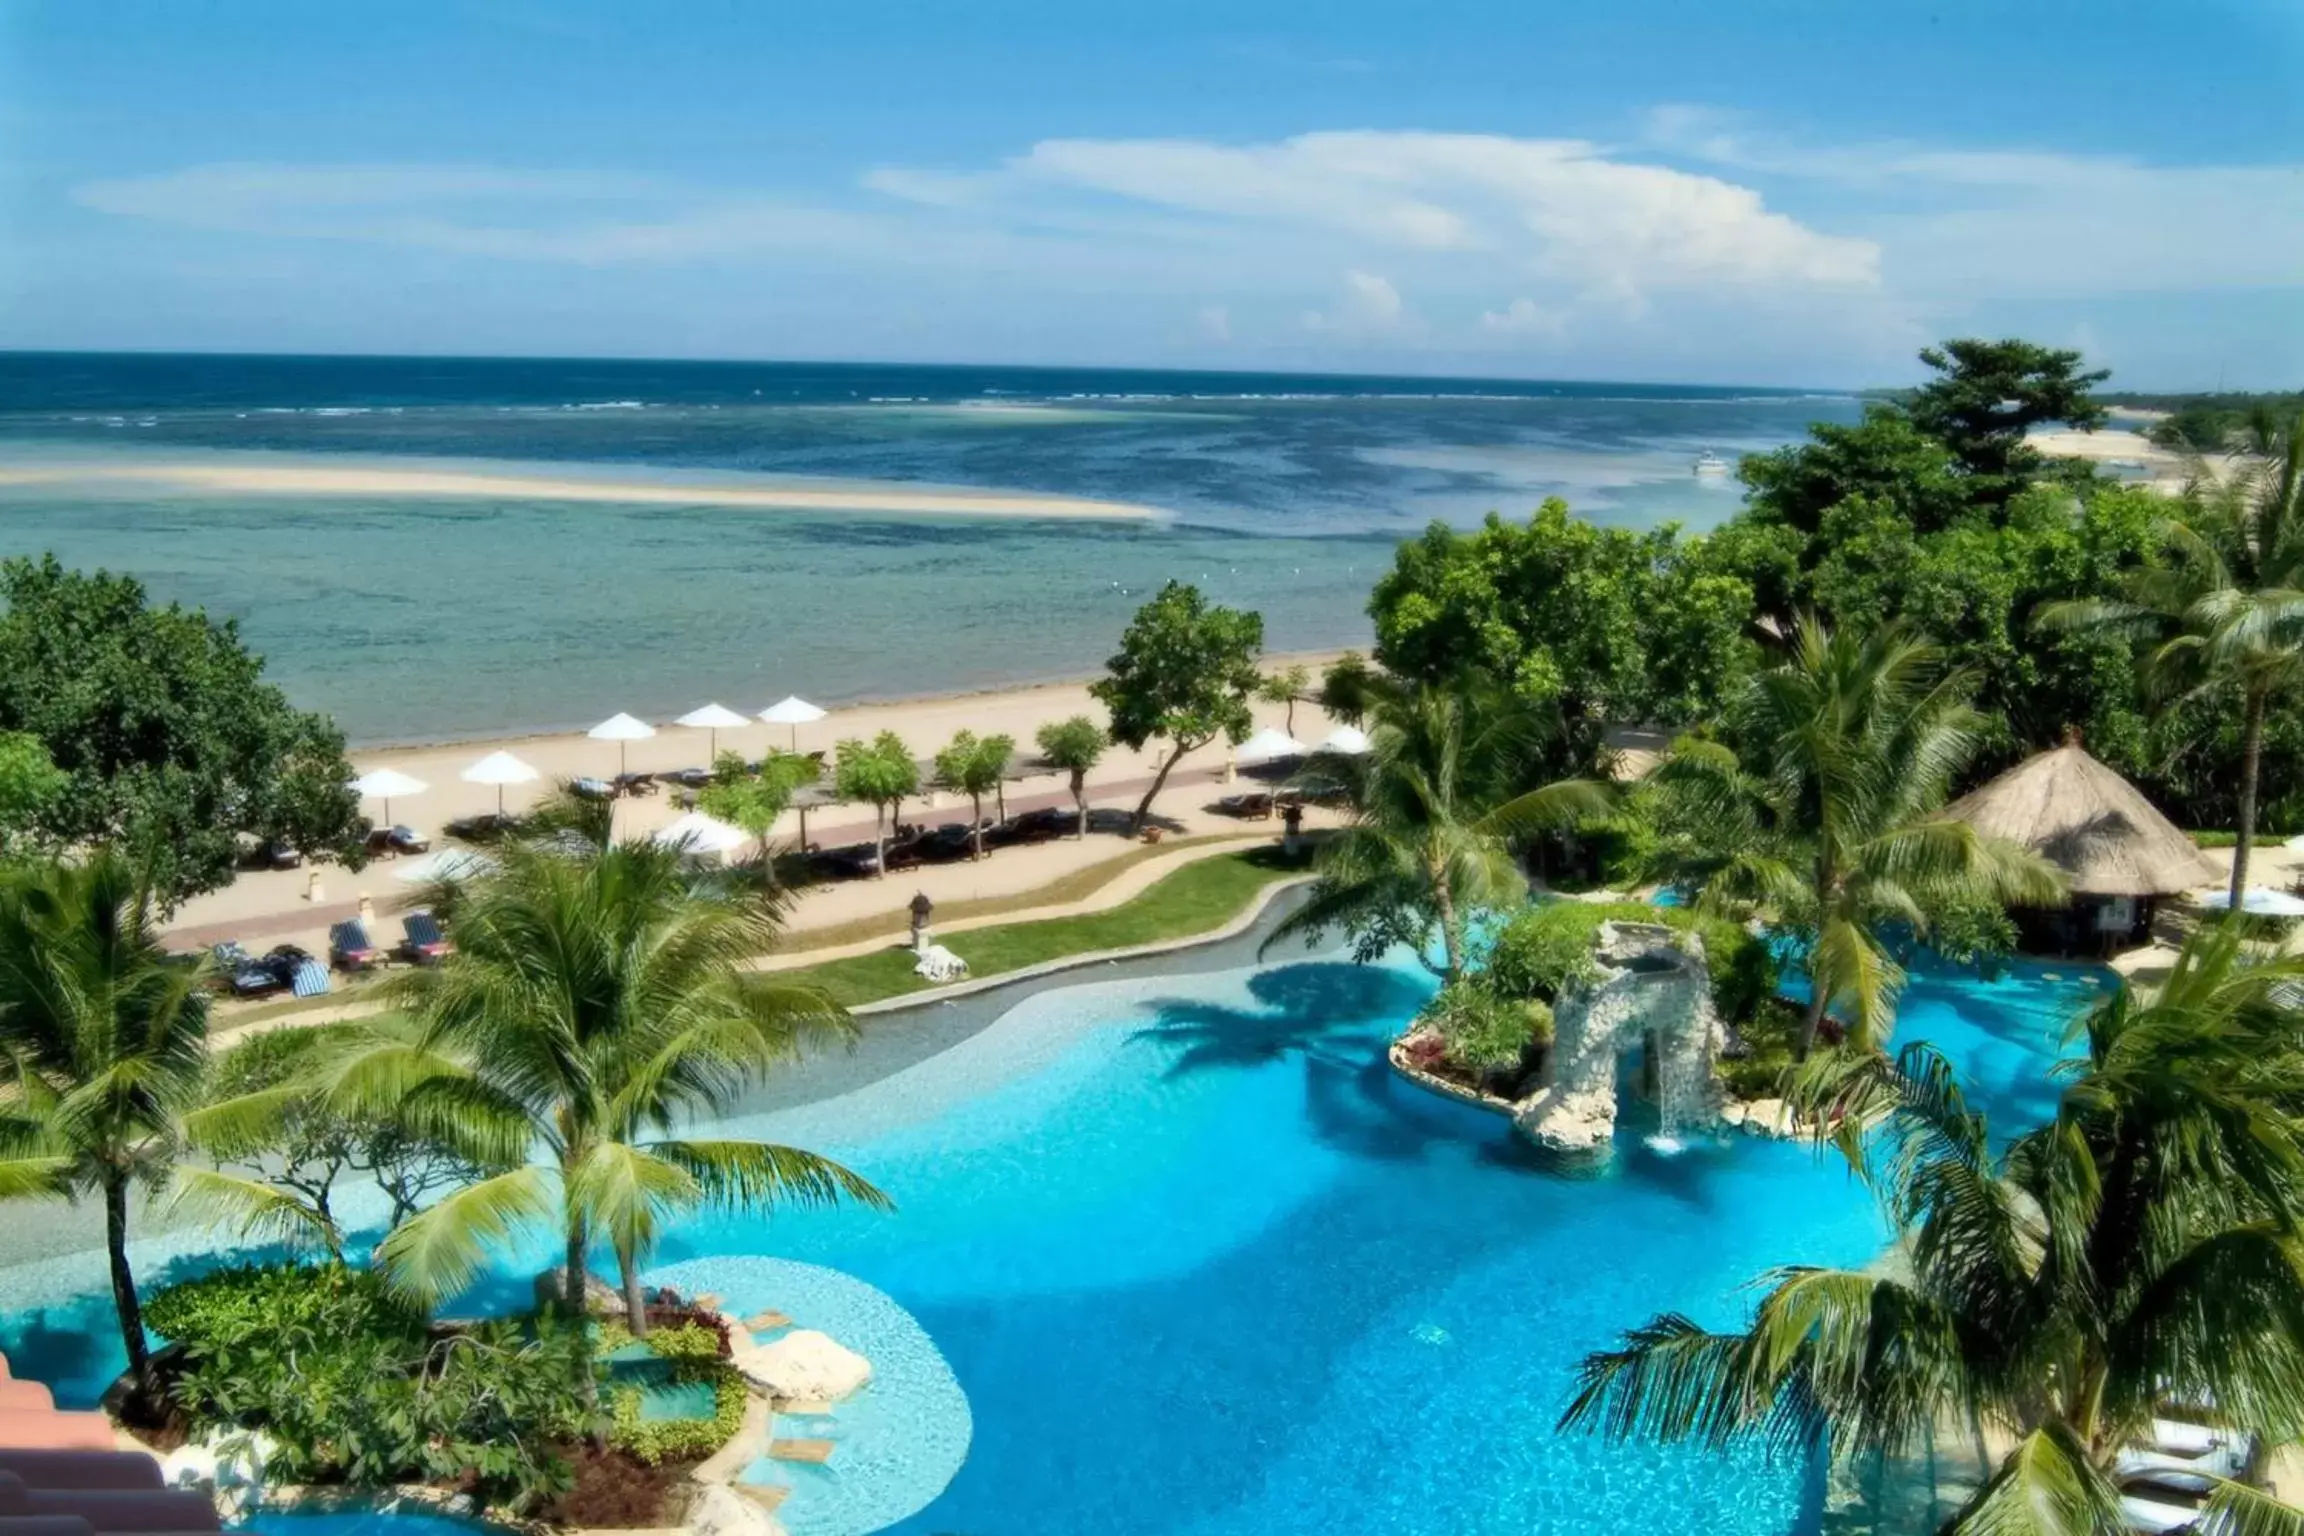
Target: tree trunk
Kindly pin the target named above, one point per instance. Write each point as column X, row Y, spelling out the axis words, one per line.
column 2251, row 760
column 1080, row 797
column 1000, row 797
column 1810, row 1021
column 124, row 1281
column 879, row 842
column 1144, row 806
column 1451, row 945
column 635, row 1303
column 572, row 1277
column 976, row 829
column 1290, row 727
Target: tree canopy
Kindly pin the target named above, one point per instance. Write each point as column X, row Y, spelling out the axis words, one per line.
column 1075, row 746
column 1185, row 670
column 173, row 745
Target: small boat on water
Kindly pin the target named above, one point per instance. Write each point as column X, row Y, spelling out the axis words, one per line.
column 1709, row 463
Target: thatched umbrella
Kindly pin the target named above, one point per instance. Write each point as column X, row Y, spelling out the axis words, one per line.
column 2089, row 822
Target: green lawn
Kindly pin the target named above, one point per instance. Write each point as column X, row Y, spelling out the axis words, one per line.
column 1198, row 898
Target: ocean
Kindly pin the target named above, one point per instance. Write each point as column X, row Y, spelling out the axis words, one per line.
column 420, row 617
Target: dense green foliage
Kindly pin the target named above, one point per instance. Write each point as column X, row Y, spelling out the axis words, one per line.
column 30, row 785
column 1593, row 626
column 2137, row 1249
column 1183, row 673
column 1545, row 946
column 174, row 745
column 1818, row 810
column 103, row 1049
column 1931, row 509
column 2222, row 608
column 693, row 1354
column 1073, row 746
column 355, row 1390
column 1288, row 686
column 1483, row 1031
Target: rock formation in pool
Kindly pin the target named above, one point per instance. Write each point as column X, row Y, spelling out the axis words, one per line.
column 1652, row 988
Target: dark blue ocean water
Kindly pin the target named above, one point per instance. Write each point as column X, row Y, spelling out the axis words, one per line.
column 436, row 616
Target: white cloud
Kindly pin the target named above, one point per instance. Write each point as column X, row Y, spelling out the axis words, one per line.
column 1371, row 306
column 1215, row 322
column 1523, row 317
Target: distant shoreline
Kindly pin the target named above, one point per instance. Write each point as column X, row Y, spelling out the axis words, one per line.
column 323, row 480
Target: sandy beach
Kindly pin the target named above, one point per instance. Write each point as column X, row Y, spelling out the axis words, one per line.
column 224, row 474
column 268, row 907
column 2162, row 469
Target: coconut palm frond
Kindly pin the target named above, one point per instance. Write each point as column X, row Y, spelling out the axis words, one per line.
column 2046, row 1487
column 250, row 1209
column 753, row 1175
column 436, row 1253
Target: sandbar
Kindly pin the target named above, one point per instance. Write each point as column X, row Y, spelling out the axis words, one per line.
column 260, row 479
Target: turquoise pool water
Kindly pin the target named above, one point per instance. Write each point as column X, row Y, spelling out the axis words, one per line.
column 364, row 1522
column 1202, row 1265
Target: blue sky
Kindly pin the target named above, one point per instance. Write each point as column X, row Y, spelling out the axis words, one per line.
column 1760, row 192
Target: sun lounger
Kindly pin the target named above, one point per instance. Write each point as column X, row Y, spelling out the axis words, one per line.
column 2176, row 1437
column 2156, row 1516
column 424, row 943
column 48, row 1430
column 307, row 978
column 81, row 1469
column 2224, row 1459
column 635, row 783
column 110, row 1509
column 350, row 948
column 593, row 789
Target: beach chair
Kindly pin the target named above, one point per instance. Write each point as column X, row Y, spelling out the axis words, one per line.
column 350, row 948
column 424, row 943
column 592, row 789
column 307, row 978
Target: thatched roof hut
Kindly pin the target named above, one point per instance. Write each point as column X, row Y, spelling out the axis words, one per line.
column 2089, row 822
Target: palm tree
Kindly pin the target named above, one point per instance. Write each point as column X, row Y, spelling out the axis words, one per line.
column 595, row 1000
column 103, row 1047
column 2139, row 1248
column 1437, row 799
column 2224, row 607
column 1823, row 814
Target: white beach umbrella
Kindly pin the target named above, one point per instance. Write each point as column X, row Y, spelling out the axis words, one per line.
column 794, row 711
column 2261, row 900
column 1269, row 746
column 383, row 783
column 714, row 718
column 699, row 833
column 446, row 864
column 500, row 769
column 1346, row 740
column 622, row 730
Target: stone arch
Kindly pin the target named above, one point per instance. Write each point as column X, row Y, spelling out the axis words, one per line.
column 1651, row 985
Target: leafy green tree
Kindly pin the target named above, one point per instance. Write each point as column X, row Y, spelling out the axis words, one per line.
column 1184, row 671
column 753, row 799
column 1988, row 394
column 1286, row 687
column 1820, row 812
column 882, row 773
column 1345, row 688
column 29, row 785
column 1437, row 800
column 103, row 1047
column 1075, row 746
column 174, row 744
column 975, row 766
column 265, row 1112
column 2223, row 606
column 2137, row 1249
column 1597, row 626
column 593, row 1004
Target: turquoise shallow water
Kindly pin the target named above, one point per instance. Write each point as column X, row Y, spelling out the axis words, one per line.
column 431, row 617
column 1201, row 1264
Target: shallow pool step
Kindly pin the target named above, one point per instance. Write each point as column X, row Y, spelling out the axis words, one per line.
column 769, row 1496
column 818, row 1451
column 767, row 1322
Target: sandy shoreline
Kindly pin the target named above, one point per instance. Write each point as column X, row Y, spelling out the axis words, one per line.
column 265, row 479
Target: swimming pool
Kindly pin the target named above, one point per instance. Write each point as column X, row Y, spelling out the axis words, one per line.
column 1202, row 1264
